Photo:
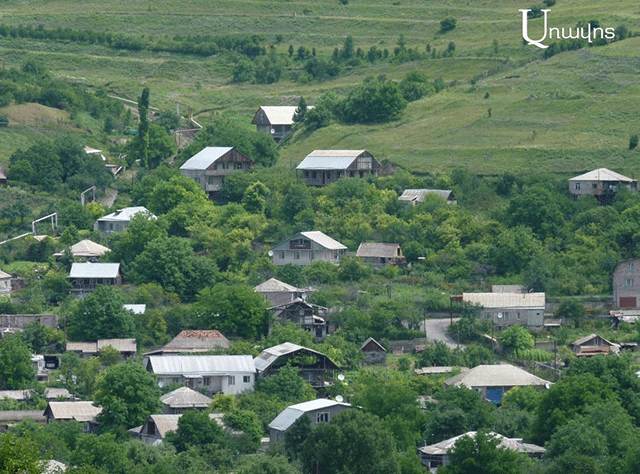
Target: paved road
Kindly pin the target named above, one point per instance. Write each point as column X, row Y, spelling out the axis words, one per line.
column 437, row 331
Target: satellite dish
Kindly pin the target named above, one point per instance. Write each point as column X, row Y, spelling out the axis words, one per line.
column 273, row 131
column 339, row 399
column 270, row 253
column 341, row 377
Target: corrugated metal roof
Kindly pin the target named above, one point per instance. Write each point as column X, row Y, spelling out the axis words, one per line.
column 324, row 240
column 271, row 354
column 289, row 415
column 503, row 375
column 88, row 248
column 201, row 364
column 514, row 444
column 122, row 345
column 205, row 157
column 126, row 214
column 506, row 300
column 325, row 163
column 84, row 347
column 94, row 270
column 135, row 308
column 602, row 174
column 184, row 397
column 79, row 411
column 279, row 115
column 337, row 153
column 410, row 195
column 377, row 249
column 272, row 285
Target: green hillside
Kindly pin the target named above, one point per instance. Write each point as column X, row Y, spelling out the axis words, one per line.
column 506, row 107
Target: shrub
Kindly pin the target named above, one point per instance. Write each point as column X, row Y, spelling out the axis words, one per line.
column 633, row 141
column 448, row 24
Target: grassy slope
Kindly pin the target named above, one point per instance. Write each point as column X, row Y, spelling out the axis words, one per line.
column 570, row 113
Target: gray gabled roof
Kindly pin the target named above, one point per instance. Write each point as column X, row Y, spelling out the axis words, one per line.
column 503, row 375
column 88, row 248
column 272, row 286
column 378, row 249
column 602, row 174
column 418, row 195
column 166, row 423
column 271, row 354
column 78, row 411
column 514, row 444
column 184, row 397
column 289, row 415
column 331, row 159
column 94, row 270
column 201, row 365
column 126, row 214
column 278, row 114
column 205, row 157
column 506, row 300
column 4, row 275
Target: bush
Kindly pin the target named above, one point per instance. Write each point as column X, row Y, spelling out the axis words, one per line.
column 4, row 121
column 633, row 141
column 375, row 101
column 448, row 24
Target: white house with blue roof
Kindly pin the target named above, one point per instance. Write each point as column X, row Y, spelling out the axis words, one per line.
column 323, row 167
column 211, row 165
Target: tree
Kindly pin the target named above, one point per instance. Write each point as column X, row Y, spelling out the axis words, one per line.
column 142, row 139
column 161, row 145
column 572, row 310
column 538, row 209
column 264, row 464
column 516, row 339
column 375, row 101
column 100, row 315
column 18, row 455
column 232, row 309
column 196, row 429
column 448, row 24
column 301, row 111
column 362, row 441
column 481, row 455
column 16, row 370
column 128, row 394
column 287, row 385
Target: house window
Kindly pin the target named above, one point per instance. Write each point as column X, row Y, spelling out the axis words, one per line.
column 232, row 380
column 628, row 282
column 518, row 316
column 306, row 174
column 246, row 379
column 630, row 266
column 237, row 166
column 505, row 315
column 577, row 187
column 322, row 417
column 206, row 381
column 313, row 175
column 487, row 315
column 311, row 255
column 594, row 186
column 151, row 428
column 296, row 255
column 281, row 254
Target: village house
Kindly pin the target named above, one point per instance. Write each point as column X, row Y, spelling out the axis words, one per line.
column 84, row 412
column 193, row 341
column 211, row 165
column 436, row 455
column 314, row 367
column 305, row 248
column 86, row 350
column 380, row 254
column 3, row 177
column 493, row 381
column 227, row 374
column 413, row 197
column 301, row 313
column 5, row 283
column 279, row 293
column 86, row 250
column 156, row 427
column 374, row 352
column 319, row 411
column 506, row 309
column 323, row 167
column 119, row 220
column 601, row 183
column 277, row 121
column 626, row 284
column 592, row 345
column 183, row 399
column 84, row 277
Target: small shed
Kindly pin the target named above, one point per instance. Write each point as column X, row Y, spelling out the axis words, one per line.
column 82, row 412
column 380, row 254
column 374, row 352
column 592, row 345
column 183, row 399
column 413, row 197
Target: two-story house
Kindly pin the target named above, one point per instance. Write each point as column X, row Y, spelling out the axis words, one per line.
column 506, row 309
column 323, row 167
column 626, row 284
column 211, row 165
column 119, row 220
column 305, row 248
column 275, row 120
column 601, row 183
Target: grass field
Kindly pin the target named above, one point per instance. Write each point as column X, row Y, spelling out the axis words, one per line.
column 522, row 114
